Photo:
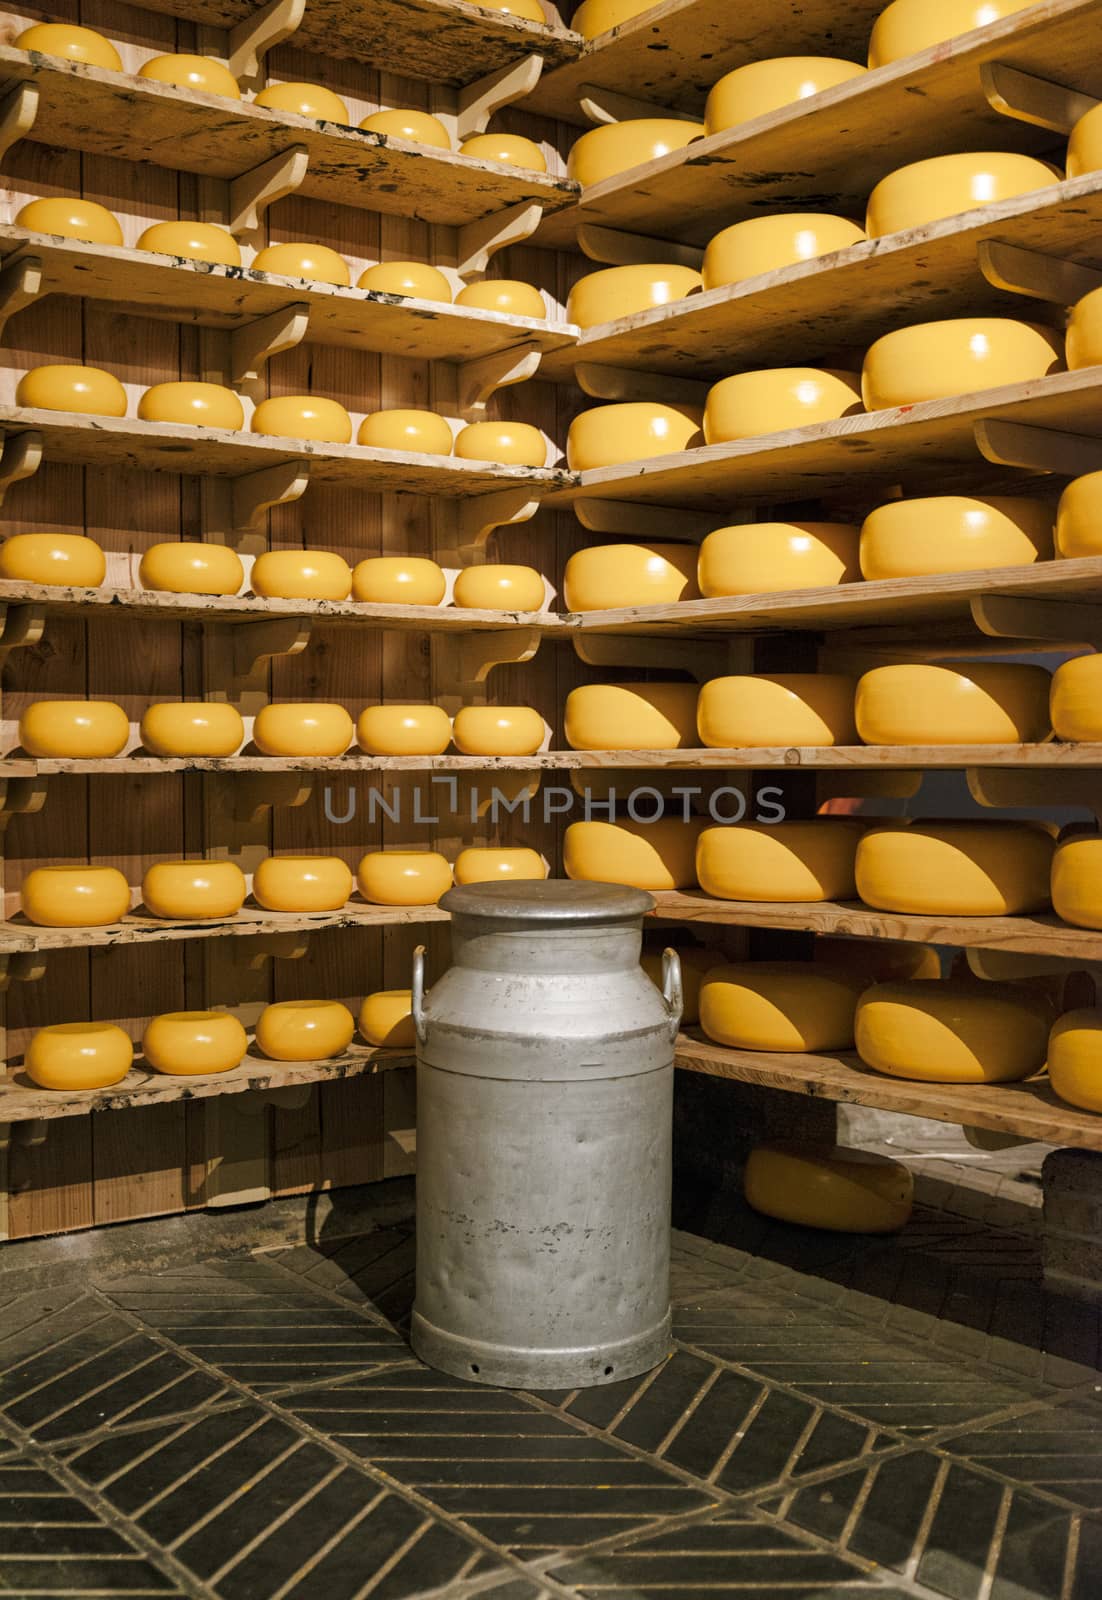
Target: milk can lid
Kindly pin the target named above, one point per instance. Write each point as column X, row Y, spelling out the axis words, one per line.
column 559, row 901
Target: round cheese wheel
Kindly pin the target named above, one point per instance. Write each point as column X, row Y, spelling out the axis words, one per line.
column 752, row 404
column 416, row 127
column 306, row 729
column 78, row 729
column 201, row 74
column 496, row 587
column 302, row 883
column 784, row 1006
column 756, row 712
column 59, row 559
column 498, row 731
column 631, row 430
column 301, row 575
column 78, row 1055
column 476, row 865
column 303, row 416
column 945, row 186
column 973, row 703
column 192, row 728
column 503, row 444
column 88, row 391
column 631, row 716
column 187, row 567
column 954, row 533
column 768, row 244
column 625, row 291
column 760, row 87
column 419, row 432
column 959, row 1030
column 197, row 405
column 1075, row 1059
column 185, row 1044
column 304, row 1030
column 967, row 869
column 506, row 149
column 1077, row 700
column 404, row 730
column 1085, row 144
column 403, row 877
column 1079, row 517
column 658, row 856
column 194, row 891
column 414, row 280
column 908, row 26
column 840, row 1191
column 71, row 43
column 398, row 581
column 305, row 100
column 505, row 297
column 594, row 17
column 772, row 557
column 192, row 241
column 75, row 897
column 787, row 863
column 70, row 218
column 316, row 263
column 608, row 576
column 616, row 147
column 1077, row 880
column 386, row 1019
column 940, row 359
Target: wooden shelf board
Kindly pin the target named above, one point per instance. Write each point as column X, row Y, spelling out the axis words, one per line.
column 1033, row 935
column 165, row 447
column 438, row 41
column 826, row 153
column 231, row 297
column 873, row 449
column 849, row 298
column 1029, row 1110
column 673, row 53
column 21, row 1100
column 113, row 114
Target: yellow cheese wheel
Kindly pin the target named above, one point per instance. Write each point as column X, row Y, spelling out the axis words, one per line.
column 415, row 127
column 499, row 588
column 1077, row 880
column 398, row 581
column 403, row 877
column 305, row 100
column 772, row 557
column 1084, row 334
column 200, row 405
column 194, row 891
column 404, row 730
column 506, row 149
column 837, row 1190
column 202, row 74
column 386, row 1019
column 634, row 430
column 71, row 43
column 523, row 10
column 960, row 1030
column 1077, row 700
column 911, row 25
column 78, row 1055
column 421, row 432
column 1079, row 518
column 964, row 703
column 498, row 731
column 75, row 897
column 624, row 291
column 752, row 404
column 307, row 728
column 505, row 297
column 301, row 575
column 656, row 855
column 476, row 865
column 303, row 416
column 192, row 728
column 192, row 241
column 81, row 729
column 631, row 716
column 967, row 869
column 505, row 444
column 759, row 87
column 186, row 1044
column 786, row 1006
column 305, row 1030
column 768, row 244
column 71, row 219
column 188, row 567
column 798, row 708
column 66, row 559
column 594, row 17
column 945, row 186
column 786, row 863
column 611, row 575
column 316, row 263
column 695, row 963
column 302, row 883
column 410, row 279
column 616, row 147
column 939, row 359
column 1085, row 144
column 879, row 960
column 1075, row 1059
column 86, row 390
column 954, row 533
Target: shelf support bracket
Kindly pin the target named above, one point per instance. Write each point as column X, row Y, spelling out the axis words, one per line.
column 474, row 520
column 701, row 659
column 1032, row 273
column 625, row 383
column 252, row 794
column 1020, row 617
column 478, row 101
column 1018, row 788
column 19, row 626
column 253, row 192
column 478, row 241
column 18, row 111
column 255, row 493
column 20, row 286
column 23, row 966
column 255, row 343
column 481, row 378
column 252, row 953
column 21, row 797
column 1019, row 444
column 603, row 105
column 644, row 521
column 614, row 248
column 20, row 458
column 1028, row 98
column 251, row 39
column 255, row 643
column 467, row 659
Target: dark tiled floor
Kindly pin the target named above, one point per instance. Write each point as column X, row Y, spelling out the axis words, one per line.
column 255, row 1428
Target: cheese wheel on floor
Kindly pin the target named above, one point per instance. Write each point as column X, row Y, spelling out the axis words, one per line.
column 788, row 1006
column 878, row 960
column 966, row 703
column 751, row 712
column 955, row 869
column 658, row 856
column 1075, row 1058
column 631, row 716
column 1077, row 880
column 695, row 962
column 789, row 863
column 960, row 1030
column 1076, row 702
column 820, row 1186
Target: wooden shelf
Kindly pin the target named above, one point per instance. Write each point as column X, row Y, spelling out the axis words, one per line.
column 673, row 53
column 827, row 152
column 1040, row 935
column 112, row 114
column 232, row 297
column 1028, row 1110
column 23, row 1101
column 795, row 315
column 439, row 41
column 868, row 453
column 164, row 447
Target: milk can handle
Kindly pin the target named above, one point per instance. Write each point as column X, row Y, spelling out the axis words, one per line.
column 418, row 995
column 672, row 992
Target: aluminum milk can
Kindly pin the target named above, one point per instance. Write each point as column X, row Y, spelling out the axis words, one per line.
column 544, row 1130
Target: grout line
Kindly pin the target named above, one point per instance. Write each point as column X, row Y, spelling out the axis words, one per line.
column 258, row 1477
column 1071, row 1560
column 392, row 1560
column 671, row 1434
column 994, row 1552
column 740, row 1433
column 269, row 1527
column 922, row 1533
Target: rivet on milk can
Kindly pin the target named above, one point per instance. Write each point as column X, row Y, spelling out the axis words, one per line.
column 544, row 1112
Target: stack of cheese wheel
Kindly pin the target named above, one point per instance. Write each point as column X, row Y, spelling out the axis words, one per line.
column 957, row 1030
column 821, row 1186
